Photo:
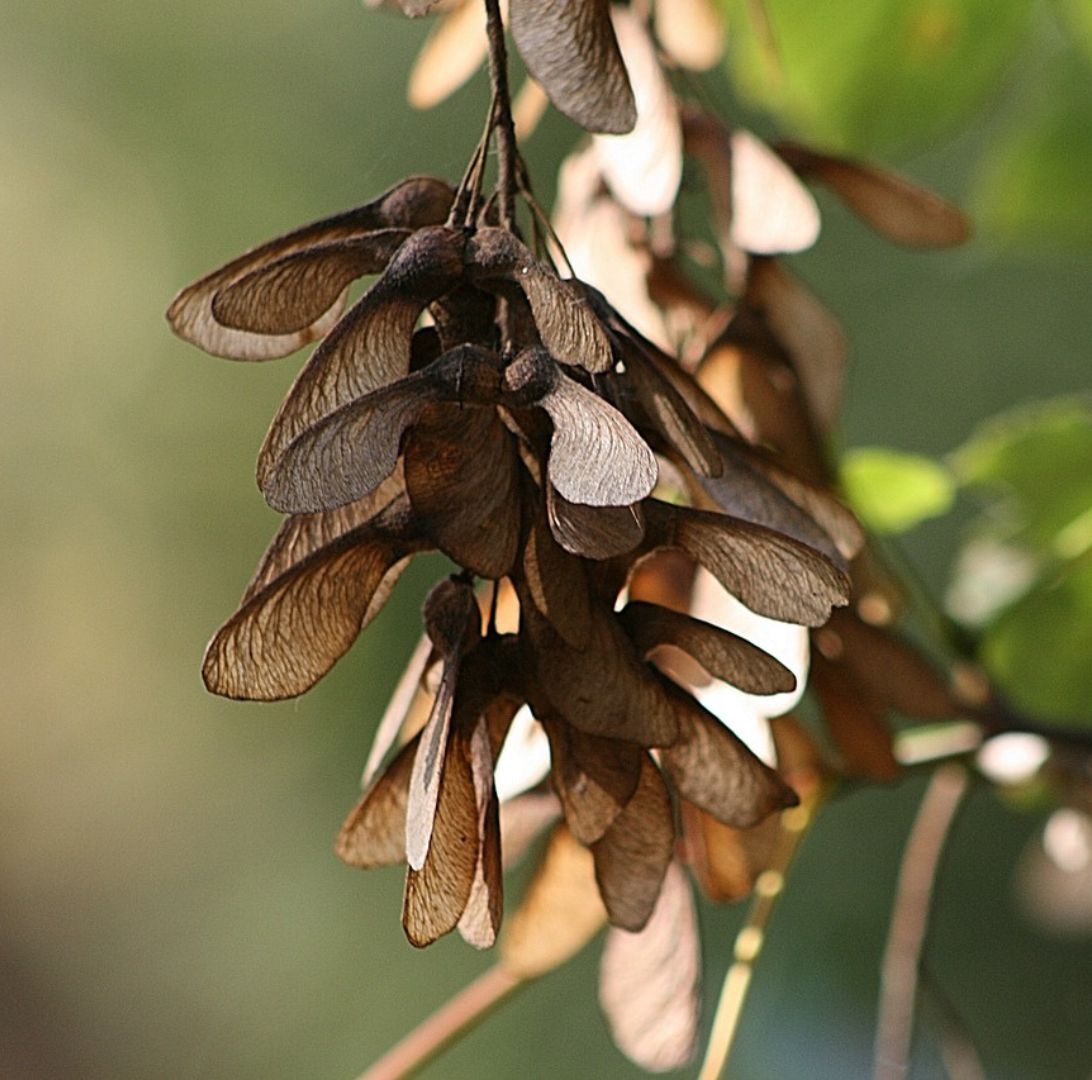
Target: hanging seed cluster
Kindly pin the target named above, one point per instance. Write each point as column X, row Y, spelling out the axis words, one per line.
column 522, row 433
column 478, row 403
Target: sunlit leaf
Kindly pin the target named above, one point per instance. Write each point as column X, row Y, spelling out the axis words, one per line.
column 877, row 74
column 1034, row 184
column 1039, row 649
column 1038, row 462
column 893, row 491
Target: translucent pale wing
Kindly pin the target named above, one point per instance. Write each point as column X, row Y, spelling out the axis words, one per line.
column 570, row 49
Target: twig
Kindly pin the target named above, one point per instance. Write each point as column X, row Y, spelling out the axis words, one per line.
column 957, row 1049
column 749, row 941
column 505, row 128
column 910, row 919
column 452, row 1020
column 464, row 208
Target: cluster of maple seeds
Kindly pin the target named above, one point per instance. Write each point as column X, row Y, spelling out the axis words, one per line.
column 519, row 433
column 475, row 402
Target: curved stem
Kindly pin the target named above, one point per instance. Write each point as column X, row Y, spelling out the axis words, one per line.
column 910, row 920
column 450, row 1022
column 768, row 887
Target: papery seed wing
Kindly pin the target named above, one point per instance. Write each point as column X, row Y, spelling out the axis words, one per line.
column 566, row 323
column 454, row 50
column 371, row 346
column 290, row 632
column 772, row 212
column 596, row 456
column 595, row 233
column 691, row 32
column 633, row 856
column 394, row 717
column 349, row 453
column 892, row 205
column 643, row 168
column 809, row 333
column 759, row 205
column 594, row 778
column 560, row 912
column 889, row 669
column 453, row 622
column 649, row 981
column 557, row 584
column 480, row 922
column 602, row 688
column 293, row 292
column 722, row 654
column 770, row 573
column 374, row 833
column 570, row 48
column 303, row 534
column 428, row 766
column 438, row 892
column 415, row 202
column 855, row 721
column 594, row 532
column 670, row 414
column 725, row 861
column 745, row 492
column 715, row 770
column 462, row 476
column 823, row 508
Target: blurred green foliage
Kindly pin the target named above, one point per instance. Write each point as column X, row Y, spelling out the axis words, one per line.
column 171, row 905
column 891, row 75
column 892, row 491
column 1033, row 471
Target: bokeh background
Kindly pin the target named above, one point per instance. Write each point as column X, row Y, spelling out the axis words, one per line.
column 169, row 901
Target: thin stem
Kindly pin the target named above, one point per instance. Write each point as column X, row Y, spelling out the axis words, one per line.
column 957, row 1049
column 505, row 128
column 910, row 920
column 541, row 216
column 450, row 1022
column 768, row 887
column 464, row 206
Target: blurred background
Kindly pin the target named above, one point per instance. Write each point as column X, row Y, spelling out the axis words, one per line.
column 170, row 904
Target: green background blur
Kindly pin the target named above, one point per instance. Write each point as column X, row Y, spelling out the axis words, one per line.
column 170, row 905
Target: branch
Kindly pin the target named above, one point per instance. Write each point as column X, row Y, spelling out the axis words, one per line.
column 506, row 130
column 448, row 1023
column 909, row 921
column 768, row 887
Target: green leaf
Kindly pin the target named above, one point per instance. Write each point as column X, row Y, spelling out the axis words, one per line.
column 892, row 491
column 1076, row 18
column 859, row 76
column 1037, row 464
column 1038, row 651
column 1034, row 186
